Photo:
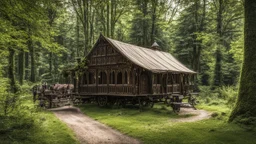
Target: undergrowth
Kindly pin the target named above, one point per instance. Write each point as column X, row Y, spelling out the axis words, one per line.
column 22, row 121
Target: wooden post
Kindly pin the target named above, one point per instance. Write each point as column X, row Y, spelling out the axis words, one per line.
column 123, row 77
column 166, row 91
column 133, row 81
column 115, row 81
column 172, row 83
column 108, row 81
column 96, row 74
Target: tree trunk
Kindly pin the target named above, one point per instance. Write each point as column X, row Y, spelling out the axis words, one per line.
column 32, row 58
column 145, row 12
column 107, row 18
column 11, row 76
column 77, row 37
column 85, row 23
column 50, row 63
column 21, row 66
column 217, row 70
column 154, row 6
column 245, row 106
column 26, row 65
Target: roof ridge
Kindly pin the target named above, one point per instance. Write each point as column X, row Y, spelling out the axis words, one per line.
column 133, row 45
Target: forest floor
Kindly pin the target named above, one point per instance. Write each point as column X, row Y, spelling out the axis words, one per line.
column 88, row 130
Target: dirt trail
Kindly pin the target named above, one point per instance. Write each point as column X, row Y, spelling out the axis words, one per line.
column 88, row 130
column 199, row 115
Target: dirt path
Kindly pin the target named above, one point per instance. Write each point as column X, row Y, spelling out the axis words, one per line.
column 90, row 131
column 199, row 115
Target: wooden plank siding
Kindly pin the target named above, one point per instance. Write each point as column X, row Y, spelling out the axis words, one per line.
column 117, row 68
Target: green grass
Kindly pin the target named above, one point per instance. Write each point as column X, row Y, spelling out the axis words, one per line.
column 30, row 125
column 156, row 126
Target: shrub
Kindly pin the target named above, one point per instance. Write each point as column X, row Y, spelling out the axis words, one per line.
column 229, row 93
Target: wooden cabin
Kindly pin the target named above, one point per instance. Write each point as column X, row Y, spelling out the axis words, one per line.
column 120, row 69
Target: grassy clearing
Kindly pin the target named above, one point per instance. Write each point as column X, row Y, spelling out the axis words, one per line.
column 28, row 124
column 156, row 125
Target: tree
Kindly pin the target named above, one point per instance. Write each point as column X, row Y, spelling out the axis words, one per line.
column 245, row 106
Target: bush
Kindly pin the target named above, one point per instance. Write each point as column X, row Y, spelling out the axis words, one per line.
column 229, row 94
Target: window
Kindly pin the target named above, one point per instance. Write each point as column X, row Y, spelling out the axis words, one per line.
column 170, row 79
column 84, row 79
column 119, row 78
column 130, row 78
column 125, row 77
column 176, row 78
column 91, row 78
column 102, row 78
column 157, row 78
column 112, row 78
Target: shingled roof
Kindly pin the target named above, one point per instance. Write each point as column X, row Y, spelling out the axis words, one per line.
column 152, row 60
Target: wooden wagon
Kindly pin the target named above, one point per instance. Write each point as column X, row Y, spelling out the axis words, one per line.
column 120, row 73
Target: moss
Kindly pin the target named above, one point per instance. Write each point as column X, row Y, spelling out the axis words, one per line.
column 246, row 102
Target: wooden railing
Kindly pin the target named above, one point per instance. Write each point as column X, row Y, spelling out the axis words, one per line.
column 105, row 89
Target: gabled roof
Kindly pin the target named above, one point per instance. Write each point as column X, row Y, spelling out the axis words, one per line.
column 152, row 60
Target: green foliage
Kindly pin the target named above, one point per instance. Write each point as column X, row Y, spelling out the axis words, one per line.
column 223, row 98
column 237, row 48
column 28, row 123
column 229, row 94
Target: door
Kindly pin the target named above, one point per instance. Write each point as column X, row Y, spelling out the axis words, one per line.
column 144, row 84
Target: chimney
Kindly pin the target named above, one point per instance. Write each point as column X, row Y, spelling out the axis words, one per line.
column 155, row 46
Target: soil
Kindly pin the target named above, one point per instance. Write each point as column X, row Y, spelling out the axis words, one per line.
column 90, row 131
column 197, row 115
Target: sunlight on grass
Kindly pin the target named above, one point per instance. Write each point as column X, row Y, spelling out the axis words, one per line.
column 156, row 126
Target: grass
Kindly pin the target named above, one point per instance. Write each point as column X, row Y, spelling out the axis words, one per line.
column 156, row 125
column 30, row 125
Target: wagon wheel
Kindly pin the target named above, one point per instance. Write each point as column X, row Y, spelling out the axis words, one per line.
column 121, row 102
column 102, row 100
column 134, row 101
column 151, row 103
column 176, row 108
column 112, row 101
column 144, row 102
column 192, row 101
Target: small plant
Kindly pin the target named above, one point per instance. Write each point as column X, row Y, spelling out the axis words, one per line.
column 229, row 94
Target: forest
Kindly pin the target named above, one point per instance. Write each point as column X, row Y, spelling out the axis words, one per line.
column 41, row 39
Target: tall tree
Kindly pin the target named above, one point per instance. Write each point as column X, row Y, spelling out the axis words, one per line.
column 81, row 8
column 217, row 80
column 245, row 106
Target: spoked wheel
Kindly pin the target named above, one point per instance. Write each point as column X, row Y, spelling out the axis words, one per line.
column 176, row 108
column 121, row 102
column 144, row 102
column 102, row 100
column 112, row 101
column 151, row 103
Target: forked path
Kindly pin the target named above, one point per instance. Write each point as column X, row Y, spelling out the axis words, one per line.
column 90, row 131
